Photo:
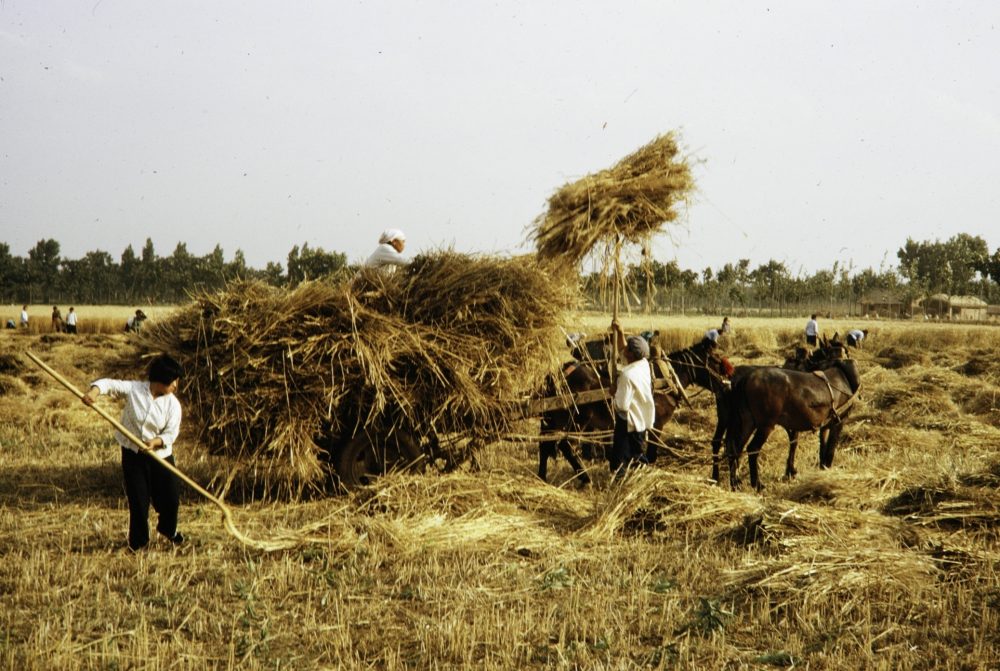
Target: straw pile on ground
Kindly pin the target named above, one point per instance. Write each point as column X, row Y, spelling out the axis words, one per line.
column 444, row 346
column 627, row 203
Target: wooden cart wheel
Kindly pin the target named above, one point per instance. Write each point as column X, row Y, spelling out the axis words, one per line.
column 360, row 463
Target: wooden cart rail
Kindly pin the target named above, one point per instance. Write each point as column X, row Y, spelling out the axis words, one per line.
column 538, row 406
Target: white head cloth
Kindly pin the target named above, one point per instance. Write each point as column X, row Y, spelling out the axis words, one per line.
column 391, row 234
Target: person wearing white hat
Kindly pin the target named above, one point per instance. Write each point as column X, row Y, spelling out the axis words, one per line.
column 633, row 403
column 389, row 251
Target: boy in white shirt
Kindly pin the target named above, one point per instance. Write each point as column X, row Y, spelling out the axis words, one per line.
column 153, row 414
column 633, row 404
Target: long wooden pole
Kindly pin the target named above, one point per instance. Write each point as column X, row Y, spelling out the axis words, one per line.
column 227, row 515
column 614, row 316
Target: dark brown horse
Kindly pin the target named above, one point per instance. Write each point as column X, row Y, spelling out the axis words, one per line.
column 766, row 397
column 698, row 364
column 803, row 360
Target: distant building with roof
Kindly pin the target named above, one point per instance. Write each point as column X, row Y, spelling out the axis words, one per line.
column 955, row 308
column 882, row 303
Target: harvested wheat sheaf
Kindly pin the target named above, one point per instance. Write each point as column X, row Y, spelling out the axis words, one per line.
column 627, row 203
column 443, row 346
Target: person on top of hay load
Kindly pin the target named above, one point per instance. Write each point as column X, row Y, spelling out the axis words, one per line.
column 153, row 414
column 633, row 402
column 389, row 251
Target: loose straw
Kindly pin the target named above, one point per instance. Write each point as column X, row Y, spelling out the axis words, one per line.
column 227, row 515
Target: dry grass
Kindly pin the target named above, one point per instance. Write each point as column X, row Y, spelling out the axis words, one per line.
column 627, row 203
column 887, row 561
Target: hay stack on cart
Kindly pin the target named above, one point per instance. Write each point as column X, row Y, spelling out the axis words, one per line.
column 369, row 372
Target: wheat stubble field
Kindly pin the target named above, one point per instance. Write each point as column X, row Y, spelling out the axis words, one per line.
column 887, row 561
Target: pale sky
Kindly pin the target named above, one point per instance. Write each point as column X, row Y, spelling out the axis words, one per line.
column 821, row 131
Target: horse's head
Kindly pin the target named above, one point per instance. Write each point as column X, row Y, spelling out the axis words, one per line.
column 825, row 355
column 850, row 370
column 701, row 364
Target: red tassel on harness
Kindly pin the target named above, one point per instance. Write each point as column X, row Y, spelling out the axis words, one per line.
column 727, row 367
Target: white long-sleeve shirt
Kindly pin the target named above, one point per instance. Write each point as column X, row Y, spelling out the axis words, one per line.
column 812, row 328
column 143, row 415
column 634, row 396
column 385, row 255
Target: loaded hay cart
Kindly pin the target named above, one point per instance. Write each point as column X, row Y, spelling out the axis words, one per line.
column 354, row 376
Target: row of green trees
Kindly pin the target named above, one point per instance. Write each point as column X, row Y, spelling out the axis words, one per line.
column 97, row 278
column 961, row 265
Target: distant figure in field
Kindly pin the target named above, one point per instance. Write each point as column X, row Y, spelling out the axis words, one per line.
column 389, row 251
column 71, row 321
column 726, row 327
column 134, row 323
column 57, row 320
column 812, row 331
column 24, row 317
column 854, row 337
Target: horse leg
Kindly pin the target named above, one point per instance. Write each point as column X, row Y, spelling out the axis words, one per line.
column 717, row 438
column 793, row 443
column 828, row 444
column 652, row 437
column 753, row 451
column 736, row 437
column 546, row 450
column 567, row 451
column 721, row 421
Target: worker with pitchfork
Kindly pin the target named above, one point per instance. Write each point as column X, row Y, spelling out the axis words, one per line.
column 152, row 413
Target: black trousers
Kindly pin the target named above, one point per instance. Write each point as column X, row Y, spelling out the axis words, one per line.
column 810, row 340
column 627, row 447
column 147, row 481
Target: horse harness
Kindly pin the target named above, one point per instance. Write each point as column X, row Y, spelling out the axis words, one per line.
column 845, row 405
